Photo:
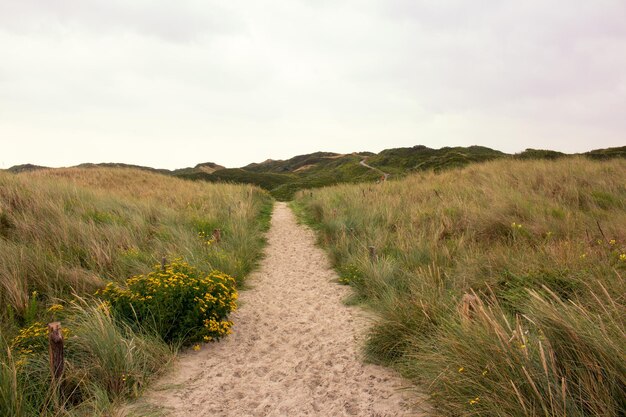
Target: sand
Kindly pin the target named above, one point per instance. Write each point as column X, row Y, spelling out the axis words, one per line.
column 295, row 349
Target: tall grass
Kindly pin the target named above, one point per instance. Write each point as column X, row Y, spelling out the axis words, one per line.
column 535, row 248
column 106, row 361
column 64, row 233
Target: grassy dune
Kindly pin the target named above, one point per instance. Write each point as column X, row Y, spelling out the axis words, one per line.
column 500, row 287
column 64, row 233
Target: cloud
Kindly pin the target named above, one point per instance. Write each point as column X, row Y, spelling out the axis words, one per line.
column 243, row 81
column 181, row 21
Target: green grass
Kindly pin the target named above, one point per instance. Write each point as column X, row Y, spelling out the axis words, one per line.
column 402, row 160
column 283, row 178
column 321, row 169
column 63, row 234
column 539, row 244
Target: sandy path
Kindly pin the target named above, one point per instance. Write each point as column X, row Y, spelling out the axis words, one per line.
column 293, row 351
column 364, row 163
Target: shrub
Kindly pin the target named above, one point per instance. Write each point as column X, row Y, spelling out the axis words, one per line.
column 182, row 304
column 31, row 338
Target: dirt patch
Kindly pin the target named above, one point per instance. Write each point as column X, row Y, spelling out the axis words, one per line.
column 304, row 168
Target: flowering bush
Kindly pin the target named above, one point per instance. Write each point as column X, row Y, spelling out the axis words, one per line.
column 30, row 339
column 180, row 303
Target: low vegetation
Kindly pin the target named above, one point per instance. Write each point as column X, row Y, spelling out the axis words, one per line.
column 68, row 234
column 499, row 287
column 283, row 178
column 178, row 302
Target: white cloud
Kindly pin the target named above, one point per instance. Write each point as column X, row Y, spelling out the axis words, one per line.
column 170, row 84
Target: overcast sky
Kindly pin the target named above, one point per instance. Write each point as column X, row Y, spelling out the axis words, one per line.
column 173, row 83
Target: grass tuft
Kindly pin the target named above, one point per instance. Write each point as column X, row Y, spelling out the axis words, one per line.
column 498, row 286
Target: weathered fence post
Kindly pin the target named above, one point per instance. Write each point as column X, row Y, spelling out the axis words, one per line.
column 217, row 235
column 163, row 263
column 229, row 211
column 372, row 252
column 55, row 341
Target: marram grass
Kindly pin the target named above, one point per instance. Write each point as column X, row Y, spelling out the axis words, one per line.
column 539, row 249
column 66, row 233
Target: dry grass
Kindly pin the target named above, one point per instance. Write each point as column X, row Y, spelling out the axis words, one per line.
column 65, row 232
column 542, row 247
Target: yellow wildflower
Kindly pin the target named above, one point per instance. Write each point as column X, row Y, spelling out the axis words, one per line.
column 54, row 308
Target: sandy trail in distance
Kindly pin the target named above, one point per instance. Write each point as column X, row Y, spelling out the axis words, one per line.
column 294, row 350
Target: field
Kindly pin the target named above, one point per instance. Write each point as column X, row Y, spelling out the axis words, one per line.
column 64, row 234
column 499, row 287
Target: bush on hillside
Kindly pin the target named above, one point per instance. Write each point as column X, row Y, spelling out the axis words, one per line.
column 181, row 303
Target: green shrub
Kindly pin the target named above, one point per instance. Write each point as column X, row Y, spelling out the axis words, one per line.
column 182, row 304
column 30, row 339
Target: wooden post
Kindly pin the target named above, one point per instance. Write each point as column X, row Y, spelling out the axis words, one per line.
column 55, row 339
column 229, row 211
column 217, row 235
column 372, row 251
column 163, row 263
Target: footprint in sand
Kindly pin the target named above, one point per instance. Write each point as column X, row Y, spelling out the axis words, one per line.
column 303, row 361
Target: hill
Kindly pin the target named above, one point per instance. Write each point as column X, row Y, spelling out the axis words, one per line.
column 16, row 169
column 208, row 167
column 421, row 158
column 283, row 178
